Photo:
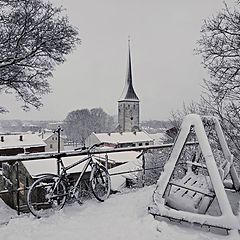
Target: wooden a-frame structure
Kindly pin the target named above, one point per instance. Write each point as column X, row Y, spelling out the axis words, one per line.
column 227, row 220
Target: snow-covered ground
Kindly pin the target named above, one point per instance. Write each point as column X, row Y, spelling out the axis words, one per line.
column 122, row 217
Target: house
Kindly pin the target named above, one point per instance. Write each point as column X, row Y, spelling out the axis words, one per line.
column 20, row 143
column 51, row 140
column 120, row 139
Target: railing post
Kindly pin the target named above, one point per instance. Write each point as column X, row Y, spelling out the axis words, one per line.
column 18, row 186
column 58, row 131
column 58, row 165
column 143, row 168
column 106, row 161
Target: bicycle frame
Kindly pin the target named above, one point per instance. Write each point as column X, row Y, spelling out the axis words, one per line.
column 65, row 169
column 52, row 191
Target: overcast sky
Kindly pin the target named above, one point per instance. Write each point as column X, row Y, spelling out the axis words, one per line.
column 166, row 73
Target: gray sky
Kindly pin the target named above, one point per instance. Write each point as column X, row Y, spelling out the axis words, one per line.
column 166, row 73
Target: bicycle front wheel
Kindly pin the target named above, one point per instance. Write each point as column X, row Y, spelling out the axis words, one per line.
column 100, row 182
column 46, row 195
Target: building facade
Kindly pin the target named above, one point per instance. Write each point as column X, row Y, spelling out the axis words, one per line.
column 51, row 140
column 18, row 144
column 128, row 104
column 123, row 139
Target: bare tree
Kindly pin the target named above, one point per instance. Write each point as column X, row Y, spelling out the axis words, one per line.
column 34, row 38
column 101, row 121
column 77, row 125
column 219, row 47
column 80, row 124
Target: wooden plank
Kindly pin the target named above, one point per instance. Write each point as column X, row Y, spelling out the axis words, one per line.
column 196, row 164
column 192, row 188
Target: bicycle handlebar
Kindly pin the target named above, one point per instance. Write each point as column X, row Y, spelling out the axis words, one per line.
column 89, row 148
column 95, row 145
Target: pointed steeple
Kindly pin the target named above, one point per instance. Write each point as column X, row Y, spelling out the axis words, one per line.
column 128, row 91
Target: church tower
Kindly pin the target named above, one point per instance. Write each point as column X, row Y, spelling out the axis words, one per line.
column 128, row 104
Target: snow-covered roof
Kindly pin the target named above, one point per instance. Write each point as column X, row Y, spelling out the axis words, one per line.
column 36, row 167
column 20, row 141
column 45, row 135
column 118, row 181
column 119, row 157
column 124, row 137
column 158, row 137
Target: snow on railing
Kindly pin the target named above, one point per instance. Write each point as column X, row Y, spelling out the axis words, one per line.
column 47, row 156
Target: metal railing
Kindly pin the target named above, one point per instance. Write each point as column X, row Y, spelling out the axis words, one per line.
column 46, row 156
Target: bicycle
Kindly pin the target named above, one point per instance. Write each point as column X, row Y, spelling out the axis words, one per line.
column 49, row 193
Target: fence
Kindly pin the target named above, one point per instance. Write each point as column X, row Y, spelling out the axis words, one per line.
column 46, row 156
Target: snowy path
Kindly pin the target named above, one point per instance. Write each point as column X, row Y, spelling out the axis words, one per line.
column 121, row 217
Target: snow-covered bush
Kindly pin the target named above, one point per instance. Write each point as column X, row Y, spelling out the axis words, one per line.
column 154, row 162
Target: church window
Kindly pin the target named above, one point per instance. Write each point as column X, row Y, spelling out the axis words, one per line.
column 51, row 146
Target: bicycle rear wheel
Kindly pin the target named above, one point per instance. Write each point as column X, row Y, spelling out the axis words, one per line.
column 100, row 182
column 84, row 192
column 46, row 195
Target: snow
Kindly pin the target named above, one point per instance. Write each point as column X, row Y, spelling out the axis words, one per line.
column 6, row 213
column 28, row 140
column 36, row 167
column 227, row 219
column 121, row 217
column 158, row 138
column 45, row 135
column 39, row 166
column 119, row 157
column 124, row 137
column 119, row 181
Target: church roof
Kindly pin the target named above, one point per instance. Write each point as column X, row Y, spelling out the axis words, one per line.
column 128, row 93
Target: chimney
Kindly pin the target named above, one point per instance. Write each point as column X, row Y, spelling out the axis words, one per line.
column 135, row 133
column 2, row 138
column 21, row 138
column 109, row 134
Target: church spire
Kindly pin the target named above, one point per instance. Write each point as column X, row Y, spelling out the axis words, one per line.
column 128, row 91
column 128, row 105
